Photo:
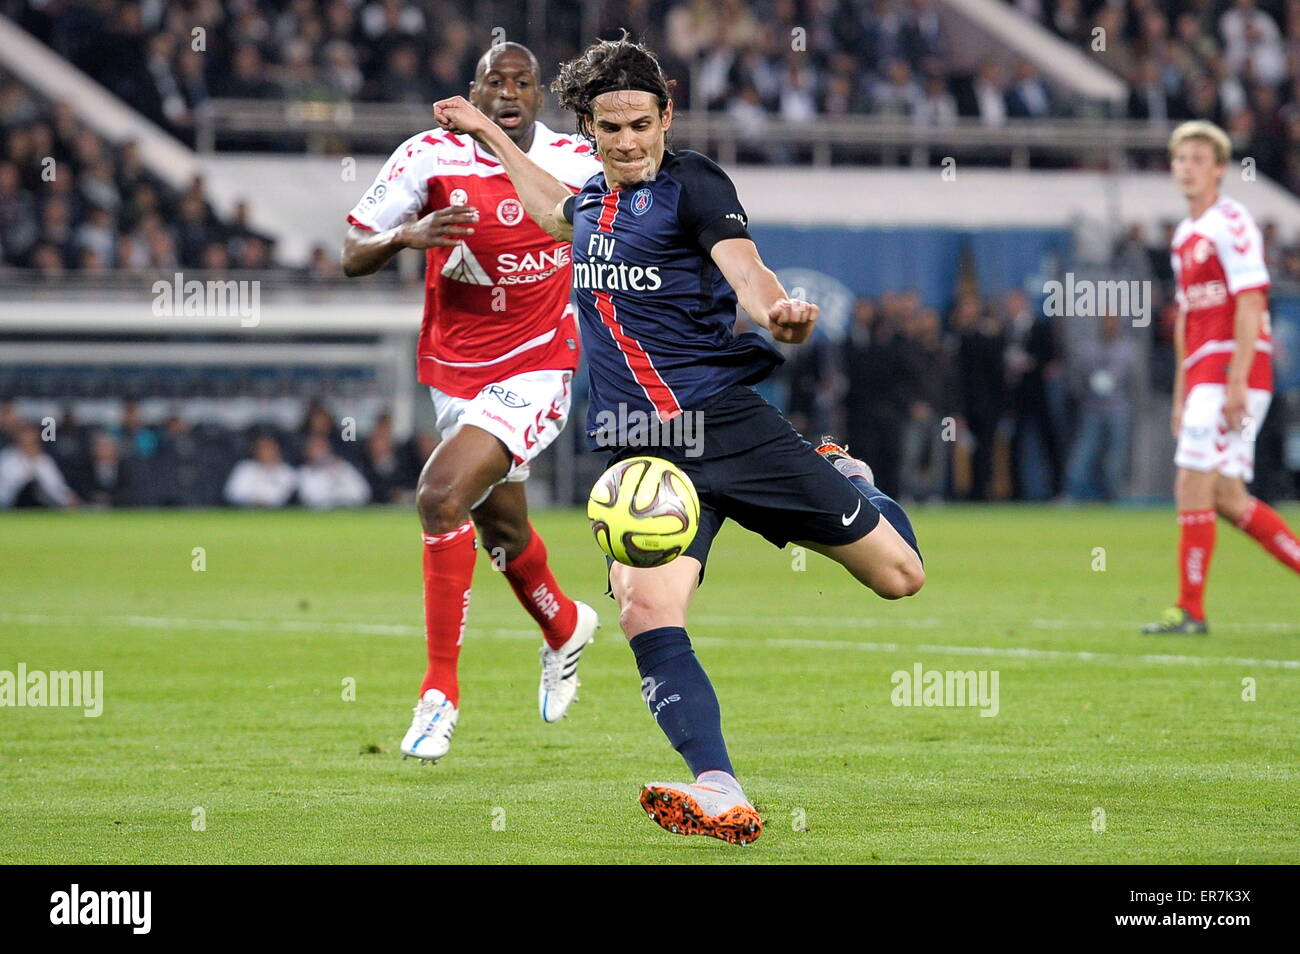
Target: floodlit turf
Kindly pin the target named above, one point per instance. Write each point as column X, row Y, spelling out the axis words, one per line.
column 224, row 708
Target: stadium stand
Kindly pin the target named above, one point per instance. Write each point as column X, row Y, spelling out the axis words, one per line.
column 936, row 359
column 1233, row 63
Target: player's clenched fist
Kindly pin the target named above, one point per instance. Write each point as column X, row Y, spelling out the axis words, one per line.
column 458, row 114
column 791, row 320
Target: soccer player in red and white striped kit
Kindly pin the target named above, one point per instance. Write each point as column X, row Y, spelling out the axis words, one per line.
column 1224, row 379
column 498, row 350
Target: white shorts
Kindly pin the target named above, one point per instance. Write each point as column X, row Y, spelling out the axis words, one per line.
column 1204, row 441
column 525, row 412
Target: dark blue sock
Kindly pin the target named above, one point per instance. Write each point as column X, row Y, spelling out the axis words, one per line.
column 889, row 509
column 681, row 698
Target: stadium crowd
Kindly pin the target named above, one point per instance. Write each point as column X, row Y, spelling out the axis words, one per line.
column 1235, row 62
column 988, row 401
column 754, row 60
column 177, row 463
column 982, row 401
column 69, row 200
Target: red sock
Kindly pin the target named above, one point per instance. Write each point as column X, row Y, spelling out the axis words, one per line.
column 1263, row 523
column 1195, row 547
column 448, row 570
column 535, row 585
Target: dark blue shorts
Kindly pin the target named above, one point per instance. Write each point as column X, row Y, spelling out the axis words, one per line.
column 753, row 467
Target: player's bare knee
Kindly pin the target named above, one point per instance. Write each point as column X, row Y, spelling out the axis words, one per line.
column 895, row 585
column 635, row 613
column 913, row 576
column 441, row 508
column 904, row 578
column 635, row 619
column 640, row 609
column 1231, row 506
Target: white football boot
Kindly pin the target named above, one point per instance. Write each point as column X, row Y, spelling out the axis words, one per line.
column 701, row 808
column 559, row 685
column 429, row 736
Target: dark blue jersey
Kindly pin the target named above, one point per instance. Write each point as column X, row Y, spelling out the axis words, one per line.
column 656, row 312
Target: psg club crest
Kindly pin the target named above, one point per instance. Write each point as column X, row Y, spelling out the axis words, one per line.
column 510, row 212
column 642, row 199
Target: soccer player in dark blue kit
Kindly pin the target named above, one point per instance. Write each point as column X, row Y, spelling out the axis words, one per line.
column 661, row 258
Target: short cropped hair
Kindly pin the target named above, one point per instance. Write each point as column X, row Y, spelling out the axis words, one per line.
column 1206, row 131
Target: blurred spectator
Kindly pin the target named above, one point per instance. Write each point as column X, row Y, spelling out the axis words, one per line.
column 262, row 480
column 983, row 396
column 247, row 77
column 317, row 421
column 389, row 477
column 29, row 477
column 418, row 450
column 990, row 94
column 11, row 422
column 19, row 225
column 929, row 358
column 1029, row 97
column 1252, row 41
column 798, row 96
column 897, row 94
column 139, row 440
column 876, row 395
column 104, row 482
column 937, row 106
column 404, row 79
column 187, row 470
column 96, row 234
column 811, row 385
column 752, row 121
column 323, row 265
column 1032, row 362
column 1148, row 99
column 326, row 481
column 1104, row 383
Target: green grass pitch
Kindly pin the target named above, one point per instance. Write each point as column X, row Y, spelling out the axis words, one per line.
column 225, row 735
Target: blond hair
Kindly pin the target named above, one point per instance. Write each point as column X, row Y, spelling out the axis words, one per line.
column 1205, row 131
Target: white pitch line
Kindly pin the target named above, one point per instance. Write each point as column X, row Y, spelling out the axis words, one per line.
column 1270, row 626
column 395, row 629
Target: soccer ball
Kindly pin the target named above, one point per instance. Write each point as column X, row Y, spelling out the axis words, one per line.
column 644, row 511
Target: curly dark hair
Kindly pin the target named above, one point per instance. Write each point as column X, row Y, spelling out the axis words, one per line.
column 605, row 66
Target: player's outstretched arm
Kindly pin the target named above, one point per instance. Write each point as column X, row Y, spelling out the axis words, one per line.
column 790, row 320
column 542, row 194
